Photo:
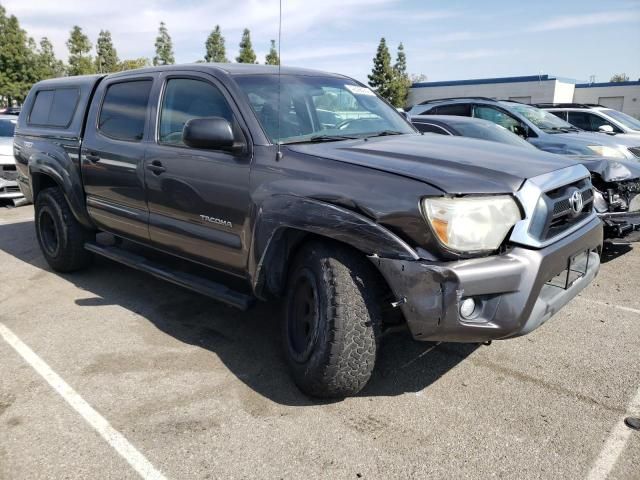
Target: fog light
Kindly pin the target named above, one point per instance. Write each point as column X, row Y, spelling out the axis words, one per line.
column 467, row 307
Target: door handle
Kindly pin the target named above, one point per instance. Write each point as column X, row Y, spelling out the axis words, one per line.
column 156, row 167
column 92, row 157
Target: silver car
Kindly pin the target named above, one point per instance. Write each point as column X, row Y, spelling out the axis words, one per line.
column 539, row 127
column 9, row 189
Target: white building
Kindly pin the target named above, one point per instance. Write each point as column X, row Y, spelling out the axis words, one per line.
column 623, row 96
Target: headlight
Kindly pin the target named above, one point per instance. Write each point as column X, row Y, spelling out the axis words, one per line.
column 605, row 151
column 469, row 224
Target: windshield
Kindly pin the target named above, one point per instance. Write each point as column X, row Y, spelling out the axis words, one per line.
column 7, row 127
column 626, row 120
column 542, row 119
column 319, row 108
column 491, row 132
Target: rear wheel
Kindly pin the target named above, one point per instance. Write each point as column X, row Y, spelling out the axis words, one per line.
column 332, row 320
column 60, row 235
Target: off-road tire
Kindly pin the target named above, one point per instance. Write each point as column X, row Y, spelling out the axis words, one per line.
column 60, row 235
column 348, row 323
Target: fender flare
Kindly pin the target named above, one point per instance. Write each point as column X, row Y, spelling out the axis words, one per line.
column 67, row 176
column 283, row 219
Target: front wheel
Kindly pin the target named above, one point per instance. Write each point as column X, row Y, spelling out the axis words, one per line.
column 332, row 320
column 60, row 235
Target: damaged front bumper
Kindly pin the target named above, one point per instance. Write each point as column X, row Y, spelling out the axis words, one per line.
column 514, row 292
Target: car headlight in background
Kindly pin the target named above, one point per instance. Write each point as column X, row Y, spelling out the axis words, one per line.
column 605, row 151
column 469, row 224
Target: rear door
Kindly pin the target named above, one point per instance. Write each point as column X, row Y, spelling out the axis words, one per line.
column 198, row 199
column 112, row 156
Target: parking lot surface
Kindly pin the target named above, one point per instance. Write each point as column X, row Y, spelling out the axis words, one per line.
column 201, row 390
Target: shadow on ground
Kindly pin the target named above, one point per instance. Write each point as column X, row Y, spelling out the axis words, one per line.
column 248, row 343
column 613, row 250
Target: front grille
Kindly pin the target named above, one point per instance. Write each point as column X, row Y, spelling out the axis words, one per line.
column 555, row 215
column 546, row 202
column 635, row 151
column 562, row 215
column 10, row 189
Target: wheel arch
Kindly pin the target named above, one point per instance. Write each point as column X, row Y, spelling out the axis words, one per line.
column 285, row 222
column 46, row 173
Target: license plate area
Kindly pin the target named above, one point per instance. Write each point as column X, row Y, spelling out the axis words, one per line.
column 577, row 266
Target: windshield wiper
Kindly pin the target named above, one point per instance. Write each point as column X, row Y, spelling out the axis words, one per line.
column 385, row 133
column 558, row 129
column 321, row 138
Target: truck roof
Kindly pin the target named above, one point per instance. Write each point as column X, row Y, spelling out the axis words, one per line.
column 234, row 69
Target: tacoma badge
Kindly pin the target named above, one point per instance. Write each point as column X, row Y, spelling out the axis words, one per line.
column 217, row 221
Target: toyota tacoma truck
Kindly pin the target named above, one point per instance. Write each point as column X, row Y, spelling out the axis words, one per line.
column 307, row 187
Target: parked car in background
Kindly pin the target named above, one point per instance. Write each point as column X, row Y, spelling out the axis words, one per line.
column 9, row 189
column 616, row 183
column 346, row 215
column 539, row 127
column 11, row 111
column 594, row 118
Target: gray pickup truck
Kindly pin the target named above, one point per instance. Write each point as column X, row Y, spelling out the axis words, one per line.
column 308, row 187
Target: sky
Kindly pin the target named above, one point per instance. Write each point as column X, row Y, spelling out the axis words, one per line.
column 444, row 40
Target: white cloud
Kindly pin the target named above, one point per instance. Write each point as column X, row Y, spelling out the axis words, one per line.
column 585, row 20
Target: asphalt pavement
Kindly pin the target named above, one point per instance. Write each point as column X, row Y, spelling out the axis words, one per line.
column 132, row 377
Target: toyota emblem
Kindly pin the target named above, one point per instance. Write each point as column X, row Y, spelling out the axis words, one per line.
column 575, row 200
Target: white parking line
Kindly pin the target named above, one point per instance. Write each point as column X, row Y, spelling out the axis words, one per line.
column 605, row 304
column 615, row 444
column 114, row 438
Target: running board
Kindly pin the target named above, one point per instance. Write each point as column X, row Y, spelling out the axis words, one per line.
column 198, row 284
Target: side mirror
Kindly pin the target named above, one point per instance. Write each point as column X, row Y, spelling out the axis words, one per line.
column 606, row 129
column 213, row 133
column 520, row 131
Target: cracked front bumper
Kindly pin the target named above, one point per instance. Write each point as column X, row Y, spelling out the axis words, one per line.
column 512, row 290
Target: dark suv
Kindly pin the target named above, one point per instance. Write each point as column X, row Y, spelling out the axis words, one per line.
column 308, row 187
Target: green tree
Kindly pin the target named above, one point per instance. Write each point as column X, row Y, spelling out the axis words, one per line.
column 48, row 65
column 216, row 51
column 132, row 64
column 620, row 77
column 80, row 61
column 246, row 55
column 272, row 57
column 382, row 74
column 18, row 67
column 401, row 82
column 106, row 56
column 164, row 47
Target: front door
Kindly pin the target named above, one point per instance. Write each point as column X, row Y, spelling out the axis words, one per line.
column 112, row 157
column 198, row 199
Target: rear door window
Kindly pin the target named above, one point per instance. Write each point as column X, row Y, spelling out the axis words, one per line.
column 430, row 128
column 559, row 114
column 54, row 108
column 124, row 110
column 459, row 109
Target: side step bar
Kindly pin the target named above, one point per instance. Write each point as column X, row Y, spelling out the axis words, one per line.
column 198, row 284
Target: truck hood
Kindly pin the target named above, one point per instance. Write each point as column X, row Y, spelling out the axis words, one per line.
column 455, row 165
